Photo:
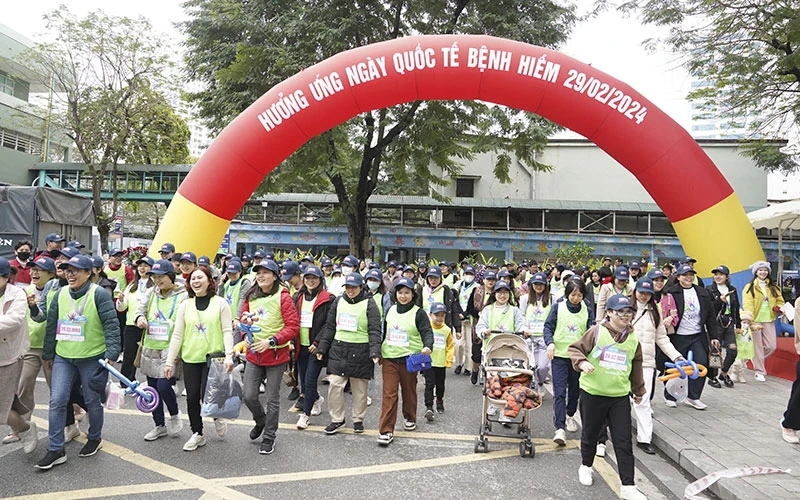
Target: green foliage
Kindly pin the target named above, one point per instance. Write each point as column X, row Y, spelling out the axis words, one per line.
column 747, row 51
column 239, row 50
column 575, row 255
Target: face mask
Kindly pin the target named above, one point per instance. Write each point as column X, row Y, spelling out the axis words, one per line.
column 373, row 285
column 469, row 278
column 24, row 255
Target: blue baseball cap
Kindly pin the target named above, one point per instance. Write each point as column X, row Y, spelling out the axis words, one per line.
column 245, row 258
column 269, row 256
column 269, row 265
column 146, row 260
column 374, row 274
column 76, row 244
column 490, row 275
column 113, row 252
column 290, row 268
column 167, row 248
column 409, row 268
column 685, row 268
column 78, row 262
column 503, row 273
column 354, row 279
column 392, row 263
column 721, row 269
column 53, row 238
column 540, row 278
column 45, row 263
column 404, row 282
column 97, row 261
column 501, row 285
column 434, row 271
column 635, row 264
column 645, row 285
column 687, row 260
column 258, row 255
column 189, row 256
column 312, row 271
column 373, row 265
column 309, row 258
column 350, row 261
column 161, row 266
column 618, row 302
column 204, row 261
column 69, row 252
column 325, row 262
column 655, row 274
column 469, row 270
column 336, row 270
column 438, row 307
column 621, row 273
column 234, row 266
column 5, row 267
column 422, row 263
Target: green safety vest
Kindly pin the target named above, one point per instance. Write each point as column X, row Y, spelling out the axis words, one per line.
column 233, row 294
column 269, row 316
column 202, row 331
column 402, row 337
column 449, row 280
column 132, row 300
column 351, row 322
column 37, row 330
column 463, row 296
column 439, row 353
column 428, row 299
column 569, row 327
column 161, row 320
column 556, row 288
column 501, row 320
column 306, row 320
column 83, row 338
column 118, row 276
column 612, row 363
column 378, row 297
column 536, row 315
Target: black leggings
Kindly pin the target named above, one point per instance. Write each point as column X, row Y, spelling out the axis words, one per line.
column 434, row 377
column 195, row 376
column 131, row 335
column 596, row 412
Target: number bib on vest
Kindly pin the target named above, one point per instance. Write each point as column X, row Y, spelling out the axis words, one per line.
column 612, row 358
column 439, row 340
column 397, row 337
column 158, row 330
column 71, row 330
column 346, row 322
column 306, row 319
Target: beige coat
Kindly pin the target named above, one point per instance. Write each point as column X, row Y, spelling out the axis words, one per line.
column 649, row 336
column 14, row 337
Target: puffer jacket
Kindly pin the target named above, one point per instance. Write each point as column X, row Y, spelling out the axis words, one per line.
column 649, row 335
column 154, row 360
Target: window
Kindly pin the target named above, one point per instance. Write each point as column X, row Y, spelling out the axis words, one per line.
column 21, row 142
column 465, row 188
column 6, row 84
column 703, row 127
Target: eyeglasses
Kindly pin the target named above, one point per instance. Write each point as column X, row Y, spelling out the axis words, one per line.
column 624, row 314
column 71, row 271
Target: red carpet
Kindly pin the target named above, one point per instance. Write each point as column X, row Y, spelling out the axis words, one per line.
column 783, row 361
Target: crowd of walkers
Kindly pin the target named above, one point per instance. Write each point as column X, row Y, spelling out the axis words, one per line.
column 599, row 336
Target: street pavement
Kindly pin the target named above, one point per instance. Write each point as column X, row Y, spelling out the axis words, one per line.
column 435, row 461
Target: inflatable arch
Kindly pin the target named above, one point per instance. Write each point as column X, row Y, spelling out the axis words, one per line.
column 704, row 210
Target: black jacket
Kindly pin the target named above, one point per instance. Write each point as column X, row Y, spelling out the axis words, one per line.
column 719, row 305
column 708, row 316
column 320, row 313
column 348, row 359
column 453, row 316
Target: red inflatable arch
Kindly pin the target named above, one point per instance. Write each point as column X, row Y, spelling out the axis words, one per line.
column 608, row 112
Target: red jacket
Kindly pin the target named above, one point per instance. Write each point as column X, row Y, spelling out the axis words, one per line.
column 23, row 271
column 290, row 331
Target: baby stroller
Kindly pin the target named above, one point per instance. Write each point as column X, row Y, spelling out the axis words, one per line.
column 507, row 359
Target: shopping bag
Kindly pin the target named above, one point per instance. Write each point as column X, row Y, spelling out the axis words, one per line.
column 223, row 397
column 115, row 397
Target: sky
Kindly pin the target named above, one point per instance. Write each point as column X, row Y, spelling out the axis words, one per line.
column 609, row 42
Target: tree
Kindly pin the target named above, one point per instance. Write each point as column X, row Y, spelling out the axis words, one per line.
column 748, row 53
column 239, row 50
column 105, row 70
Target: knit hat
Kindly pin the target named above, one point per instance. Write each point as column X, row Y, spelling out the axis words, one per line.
column 758, row 265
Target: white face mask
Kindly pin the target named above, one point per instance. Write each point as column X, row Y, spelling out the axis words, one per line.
column 468, row 278
column 373, row 285
column 347, row 271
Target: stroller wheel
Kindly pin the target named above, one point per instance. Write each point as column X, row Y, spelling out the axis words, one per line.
column 531, row 449
column 477, row 445
column 523, row 450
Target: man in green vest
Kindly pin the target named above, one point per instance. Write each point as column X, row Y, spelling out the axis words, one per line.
column 123, row 275
column 82, row 328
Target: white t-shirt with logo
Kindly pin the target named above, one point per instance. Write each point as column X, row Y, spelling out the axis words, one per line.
column 690, row 322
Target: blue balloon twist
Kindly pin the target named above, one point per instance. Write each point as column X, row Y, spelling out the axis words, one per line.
column 687, row 362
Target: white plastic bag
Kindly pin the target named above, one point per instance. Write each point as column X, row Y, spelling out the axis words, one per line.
column 678, row 388
column 115, row 397
column 223, row 397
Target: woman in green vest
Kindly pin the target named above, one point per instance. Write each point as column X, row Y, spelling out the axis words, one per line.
column 535, row 307
column 569, row 317
column 156, row 317
column 610, row 359
column 407, row 331
column 499, row 314
column 203, row 327
column 128, row 302
column 233, row 289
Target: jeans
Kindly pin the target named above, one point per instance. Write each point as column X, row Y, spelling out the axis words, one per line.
column 310, row 383
column 694, row 343
column 167, row 397
column 253, row 376
column 302, row 355
column 195, row 376
column 131, row 335
column 565, row 391
column 93, row 378
column 596, row 411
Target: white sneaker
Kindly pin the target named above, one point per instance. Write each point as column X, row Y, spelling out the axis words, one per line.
column 194, row 442
column 174, row 424
column 221, row 426
column 560, row 438
column 630, row 492
column 788, row 435
column 369, row 401
column 696, row 404
column 317, row 408
column 29, row 438
column 409, row 425
column 262, row 388
column 760, row 377
column 572, row 425
column 302, row 422
column 157, row 432
column 71, row 432
column 585, row 475
column 11, row 438
column 670, row 403
column 601, row 450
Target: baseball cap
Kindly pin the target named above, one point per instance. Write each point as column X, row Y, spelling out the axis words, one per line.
column 618, row 302
column 721, row 269
column 146, row 260
column 116, row 251
column 234, row 266
column 269, row 265
column 45, row 263
column 635, row 264
column 97, row 261
column 309, row 258
column 503, row 273
column 5, row 267
column 290, row 268
column 373, row 265
column 245, row 258
column 500, row 285
column 645, row 285
column 422, row 263
column 374, row 274
column 434, row 271
column 76, row 244
column 336, row 270
column 167, row 248
column 313, row 271
column 687, row 260
column 540, row 278
column 685, row 268
column 354, row 279
column 621, row 273
column 469, row 270
column 325, row 262
column 392, row 263
column 190, row 256
column 162, row 266
column 269, row 256
column 78, row 262
column 350, row 261
column 404, row 282
column 53, row 237
column 204, row 261
column 655, row 274
column 438, row 307
column 69, row 252
column 490, row 275
column 258, row 255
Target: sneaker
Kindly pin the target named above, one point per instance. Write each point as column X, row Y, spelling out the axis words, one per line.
column 789, row 435
column 11, row 438
column 560, row 438
column 466, row 373
column 221, row 426
column 714, row 382
column 385, row 438
column 294, row 394
column 174, row 424
column 91, row 447
column 51, row 459
column 256, row 431
column 194, row 442
column 317, row 408
column 458, row 369
column 585, row 475
column 262, row 388
column 358, row 427
column 474, row 377
column 409, row 425
column 29, row 438
column 696, row 404
column 760, row 377
column 429, row 414
column 333, row 427
column 183, row 392
column 440, row 406
column 670, row 403
column 71, row 432
column 630, row 492
column 157, row 432
column 369, row 401
column 601, row 450
column 572, row 425
column 303, row 421
column 267, row 447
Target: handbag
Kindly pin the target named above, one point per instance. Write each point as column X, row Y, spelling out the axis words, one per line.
column 417, row 362
column 715, row 358
column 137, row 361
